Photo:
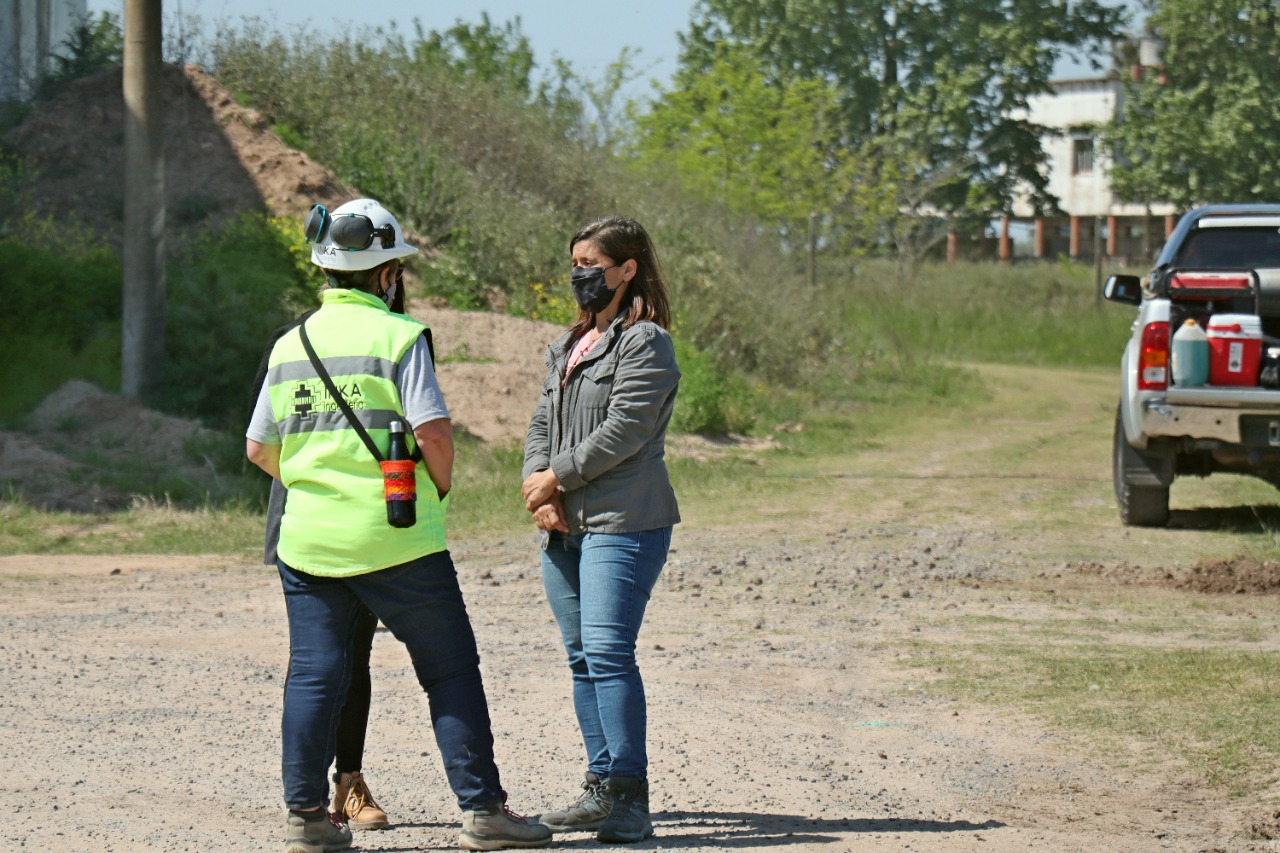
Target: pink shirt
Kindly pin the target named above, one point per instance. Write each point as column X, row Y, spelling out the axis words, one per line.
column 580, row 349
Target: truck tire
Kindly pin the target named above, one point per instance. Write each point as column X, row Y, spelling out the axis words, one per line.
column 1140, row 506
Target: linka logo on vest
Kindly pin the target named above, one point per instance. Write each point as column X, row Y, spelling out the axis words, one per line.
column 310, row 396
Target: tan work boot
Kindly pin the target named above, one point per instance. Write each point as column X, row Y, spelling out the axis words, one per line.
column 353, row 801
column 499, row 828
column 315, row 832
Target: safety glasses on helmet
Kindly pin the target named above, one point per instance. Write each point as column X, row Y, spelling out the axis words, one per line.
column 351, row 232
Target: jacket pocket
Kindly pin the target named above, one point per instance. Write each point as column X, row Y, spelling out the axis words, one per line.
column 591, row 403
column 597, row 382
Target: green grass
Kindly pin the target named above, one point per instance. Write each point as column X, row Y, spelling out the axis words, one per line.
column 1216, row 709
column 486, row 491
column 1033, row 314
column 145, row 528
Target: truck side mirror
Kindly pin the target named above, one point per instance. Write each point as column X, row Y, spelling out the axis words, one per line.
column 1126, row 289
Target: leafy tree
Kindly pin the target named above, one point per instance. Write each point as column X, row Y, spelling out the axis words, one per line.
column 946, row 80
column 757, row 148
column 501, row 56
column 1203, row 126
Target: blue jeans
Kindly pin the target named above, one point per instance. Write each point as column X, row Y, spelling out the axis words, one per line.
column 598, row 585
column 421, row 605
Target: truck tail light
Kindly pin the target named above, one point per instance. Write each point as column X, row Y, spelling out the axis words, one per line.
column 1153, row 360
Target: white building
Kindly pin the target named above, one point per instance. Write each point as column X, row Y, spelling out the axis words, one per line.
column 1078, row 174
column 30, row 31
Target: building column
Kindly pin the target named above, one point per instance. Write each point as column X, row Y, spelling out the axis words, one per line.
column 1006, row 246
column 1073, row 249
column 1040, row 235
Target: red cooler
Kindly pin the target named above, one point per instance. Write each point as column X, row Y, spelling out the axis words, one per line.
column 1235, row 349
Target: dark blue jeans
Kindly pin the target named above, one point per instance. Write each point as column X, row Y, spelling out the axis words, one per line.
column 422, row 607
column 598, row 585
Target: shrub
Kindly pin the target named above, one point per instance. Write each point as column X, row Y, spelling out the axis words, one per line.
column 226, row 293
column 61, row 317
column 708, row 402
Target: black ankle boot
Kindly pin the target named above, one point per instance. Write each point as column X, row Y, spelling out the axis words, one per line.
column 628, row 820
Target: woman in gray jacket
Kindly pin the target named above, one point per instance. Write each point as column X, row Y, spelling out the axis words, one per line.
column 597, row 485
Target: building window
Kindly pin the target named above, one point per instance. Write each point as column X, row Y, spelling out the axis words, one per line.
column 1082, row 155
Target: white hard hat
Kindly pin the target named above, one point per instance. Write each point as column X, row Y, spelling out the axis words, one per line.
column 359, row 235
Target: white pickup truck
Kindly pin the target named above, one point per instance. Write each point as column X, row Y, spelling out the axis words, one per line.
column 1219, row 259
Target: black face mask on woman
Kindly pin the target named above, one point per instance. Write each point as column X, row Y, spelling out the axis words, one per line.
column 589, row 288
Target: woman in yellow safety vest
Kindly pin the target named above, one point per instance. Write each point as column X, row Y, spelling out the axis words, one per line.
column 335, row 388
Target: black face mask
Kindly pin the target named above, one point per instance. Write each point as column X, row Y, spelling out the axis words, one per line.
column 589, row 288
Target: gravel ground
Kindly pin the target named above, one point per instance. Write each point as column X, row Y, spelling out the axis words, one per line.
column 142, row 698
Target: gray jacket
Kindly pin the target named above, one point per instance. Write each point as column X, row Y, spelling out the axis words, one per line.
column 604, row 432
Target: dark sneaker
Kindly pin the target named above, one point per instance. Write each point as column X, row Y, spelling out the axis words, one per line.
column 325, row 834
column 499, row 828
column 628, row 819
column 585, row 813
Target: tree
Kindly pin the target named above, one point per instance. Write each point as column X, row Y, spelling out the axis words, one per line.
column 498, row 55
column 758, row 148
column 94, row 43
column 947, row 80
column 1203, row 126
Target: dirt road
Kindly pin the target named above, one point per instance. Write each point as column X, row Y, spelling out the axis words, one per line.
column 140, row 703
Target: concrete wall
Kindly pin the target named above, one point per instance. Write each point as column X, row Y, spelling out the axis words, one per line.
column 1074, row 106
column 31, row 30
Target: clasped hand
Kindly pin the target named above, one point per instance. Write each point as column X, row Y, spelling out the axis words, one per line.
column 541, row 493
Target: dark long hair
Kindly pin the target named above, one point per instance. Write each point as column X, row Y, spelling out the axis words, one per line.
column 623, row 240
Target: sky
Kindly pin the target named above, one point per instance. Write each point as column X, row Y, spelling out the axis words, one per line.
column 589, row 35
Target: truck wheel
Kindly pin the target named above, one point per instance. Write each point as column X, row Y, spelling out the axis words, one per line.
column 1144, row 506
column 1140, row 506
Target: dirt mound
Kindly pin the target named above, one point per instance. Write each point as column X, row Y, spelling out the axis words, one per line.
column 220, row 159
column 1239, row 575
column 490, row 368
column 85, row 447
column 81, row 416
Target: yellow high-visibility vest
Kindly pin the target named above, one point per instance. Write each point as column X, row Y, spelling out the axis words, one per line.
column 335, row 520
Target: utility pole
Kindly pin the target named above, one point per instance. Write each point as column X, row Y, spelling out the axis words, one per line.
column 1097, row 263
column 142, row 331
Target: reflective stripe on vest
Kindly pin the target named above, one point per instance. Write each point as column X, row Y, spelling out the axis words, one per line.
column 335, row 522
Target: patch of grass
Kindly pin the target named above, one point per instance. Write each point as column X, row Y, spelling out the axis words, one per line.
column 288, row 135
column 146, row 528
column 1025, row 314
column 1216, row 709
column 486, row 491
column 461, row 354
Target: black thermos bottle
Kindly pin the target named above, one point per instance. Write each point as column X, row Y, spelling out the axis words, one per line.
column 401, row 488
